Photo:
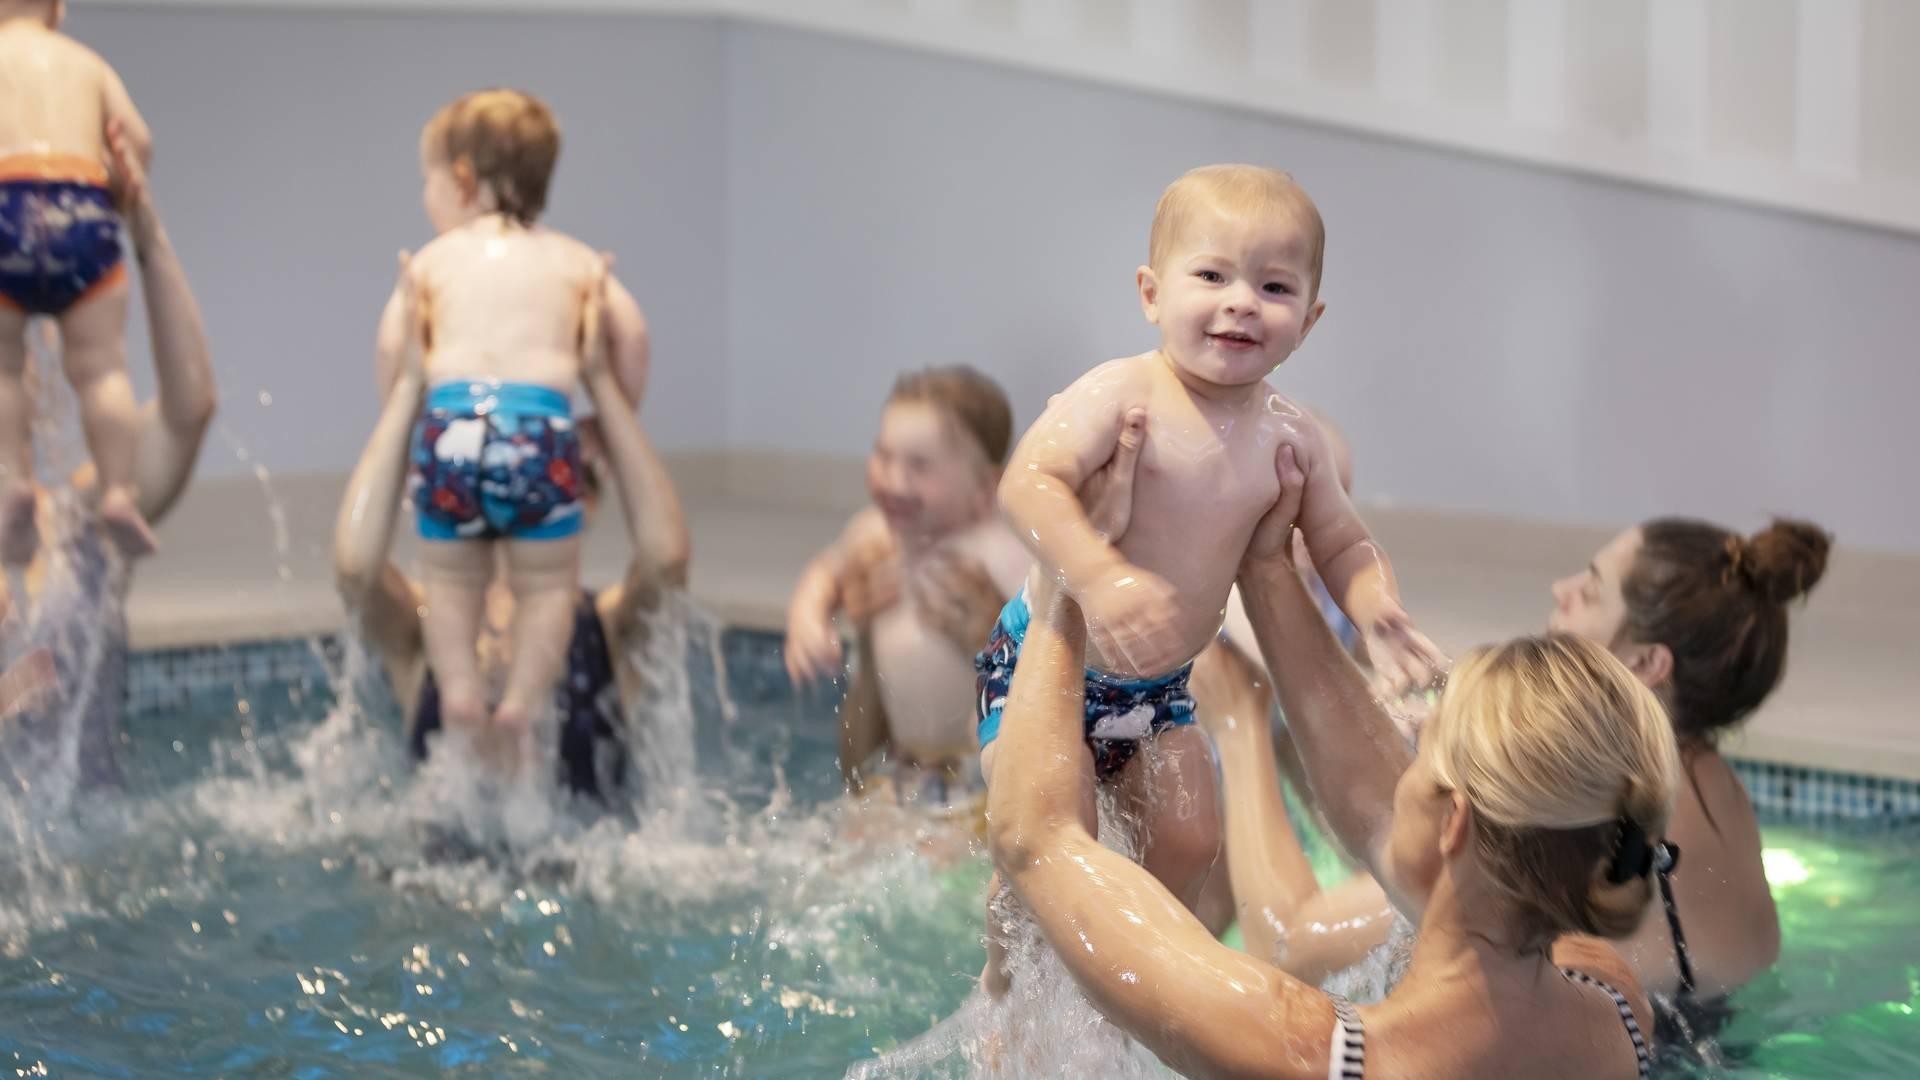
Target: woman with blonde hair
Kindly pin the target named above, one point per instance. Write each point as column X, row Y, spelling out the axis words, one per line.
column 1526, row 827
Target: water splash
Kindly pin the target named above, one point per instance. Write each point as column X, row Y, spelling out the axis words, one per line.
column 1043, row 1025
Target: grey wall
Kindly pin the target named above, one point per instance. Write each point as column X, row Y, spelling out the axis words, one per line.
column 803, row 216
column 287, row 167
column 1497, row 338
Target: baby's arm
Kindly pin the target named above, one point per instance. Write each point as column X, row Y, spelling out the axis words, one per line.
column 1131, row 613
column 813, row 642
column 1040, row 489
column 1356, row 570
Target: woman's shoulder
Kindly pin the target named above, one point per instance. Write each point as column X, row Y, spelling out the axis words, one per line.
column 1447, row 1029
column 1601, row 962
column 1722, row 794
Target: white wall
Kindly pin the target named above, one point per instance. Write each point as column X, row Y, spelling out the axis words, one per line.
column 287, row 168
column 1794, row 104
column 803, row 216
column 1498, row 338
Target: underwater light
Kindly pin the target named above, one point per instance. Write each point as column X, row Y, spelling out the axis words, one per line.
column 1783, row 867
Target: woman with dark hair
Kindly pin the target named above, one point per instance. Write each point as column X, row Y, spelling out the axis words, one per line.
column 1699, row 615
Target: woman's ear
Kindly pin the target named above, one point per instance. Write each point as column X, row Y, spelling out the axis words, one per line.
column 1457, row 828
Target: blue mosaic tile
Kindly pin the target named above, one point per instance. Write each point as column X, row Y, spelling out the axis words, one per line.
column 1802, row 793
column 162, row 679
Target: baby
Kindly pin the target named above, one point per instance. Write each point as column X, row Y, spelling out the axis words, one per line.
column 1232, row 282
column 496, row 454
column 60, row 257
column 935, row 463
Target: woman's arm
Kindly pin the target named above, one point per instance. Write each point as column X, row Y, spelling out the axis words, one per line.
column 173, row 425
column 1139, row 955
column 1284, row 914
column 372, row 588
column 627, row 337
column 1353, row 753
column 656, row 522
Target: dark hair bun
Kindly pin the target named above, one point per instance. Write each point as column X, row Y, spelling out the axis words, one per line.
column 1785, row 560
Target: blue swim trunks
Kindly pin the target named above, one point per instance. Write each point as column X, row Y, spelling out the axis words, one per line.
column 496, row 461
column 1120, row 713
column 59, row 233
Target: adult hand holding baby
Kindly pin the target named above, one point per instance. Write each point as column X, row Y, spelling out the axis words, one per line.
column 595, row 357
column 411, row 359
column 1131, row 613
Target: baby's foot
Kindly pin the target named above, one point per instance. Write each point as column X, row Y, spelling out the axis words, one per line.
column 19, row 533
column 125, row 525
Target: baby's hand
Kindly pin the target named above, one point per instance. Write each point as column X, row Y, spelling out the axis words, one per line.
column 1133, row 620
column 812, row 650
column 1404, row 660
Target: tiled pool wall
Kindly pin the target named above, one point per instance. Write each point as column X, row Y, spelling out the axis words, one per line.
column 167, row 679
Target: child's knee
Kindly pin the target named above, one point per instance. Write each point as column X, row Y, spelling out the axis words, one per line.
column 1190, row 840
column 462, row 711
column 510, row 718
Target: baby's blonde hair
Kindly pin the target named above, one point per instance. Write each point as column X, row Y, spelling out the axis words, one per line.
column 1242, row 190
column 1555, row 745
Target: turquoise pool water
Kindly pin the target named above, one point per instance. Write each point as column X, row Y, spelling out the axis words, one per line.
column 276, row 894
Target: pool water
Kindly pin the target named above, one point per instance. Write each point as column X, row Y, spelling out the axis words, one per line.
column 1841, row 1000
column 278, row 894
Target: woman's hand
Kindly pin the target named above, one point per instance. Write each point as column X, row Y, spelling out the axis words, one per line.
column 595, row 354
column 128, row 178
column 1272, row 540
column 1107, row 495
column 413, row 312
column 960, row 599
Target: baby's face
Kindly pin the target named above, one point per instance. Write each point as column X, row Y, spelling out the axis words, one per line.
column 447, row 206
column 1231, row 299
column 925, row 476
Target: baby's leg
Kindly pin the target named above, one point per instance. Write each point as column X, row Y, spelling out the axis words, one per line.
column 1170, row 787
column 94, row 353
column 545, row 575
column 456, row 573
column 18, row 537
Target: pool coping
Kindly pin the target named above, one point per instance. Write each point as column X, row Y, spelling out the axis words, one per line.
column 159, row 679
column 237, row 567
